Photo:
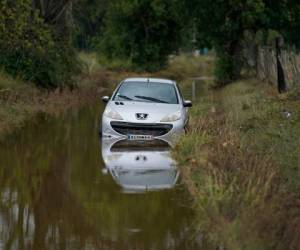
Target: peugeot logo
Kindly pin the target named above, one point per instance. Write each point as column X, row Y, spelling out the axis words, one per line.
column 141, row 116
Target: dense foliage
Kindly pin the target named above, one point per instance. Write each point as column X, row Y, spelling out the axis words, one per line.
column 142, row 32
column 35, row 43
column 291, row 27
column 223, row 24
column 38, row 37
column 88, row 22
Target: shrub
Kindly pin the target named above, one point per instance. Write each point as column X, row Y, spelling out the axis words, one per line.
column 29, row 48
column 228, row 67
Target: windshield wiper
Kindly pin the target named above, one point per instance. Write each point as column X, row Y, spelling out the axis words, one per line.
column 125, row 97
column 149, row 98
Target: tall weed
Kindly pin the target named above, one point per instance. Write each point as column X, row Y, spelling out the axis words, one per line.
column 240, row 194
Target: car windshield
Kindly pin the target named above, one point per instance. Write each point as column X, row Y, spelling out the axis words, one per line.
column 147, row 92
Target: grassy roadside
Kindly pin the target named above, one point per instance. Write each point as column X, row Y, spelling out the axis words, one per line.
column 240, row 161
column 20, row 101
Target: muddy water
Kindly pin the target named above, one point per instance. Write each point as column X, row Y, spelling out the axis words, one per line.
column 63, row 188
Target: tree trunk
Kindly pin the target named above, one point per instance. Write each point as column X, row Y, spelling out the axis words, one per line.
column 229, row 64
column 235, row 52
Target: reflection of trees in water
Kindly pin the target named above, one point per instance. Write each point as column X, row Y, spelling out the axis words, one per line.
column 37, row 206
column 58, row 214
column 50, row 196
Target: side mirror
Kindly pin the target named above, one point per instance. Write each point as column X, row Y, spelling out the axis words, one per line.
column 105, row 99
column 187, row 104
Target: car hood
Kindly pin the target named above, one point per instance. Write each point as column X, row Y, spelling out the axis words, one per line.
column 155, row 111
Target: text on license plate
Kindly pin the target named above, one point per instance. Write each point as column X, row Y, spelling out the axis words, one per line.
column 140, row 137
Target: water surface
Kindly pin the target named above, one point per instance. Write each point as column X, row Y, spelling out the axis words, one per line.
column 63, row 188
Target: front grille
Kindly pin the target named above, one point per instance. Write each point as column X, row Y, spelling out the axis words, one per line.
column 127, row 128
column 153, row 145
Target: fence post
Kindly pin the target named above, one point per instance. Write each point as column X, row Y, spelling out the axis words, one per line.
column 193, row 91
column 281, row 83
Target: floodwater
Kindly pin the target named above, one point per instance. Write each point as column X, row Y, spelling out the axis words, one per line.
column 62, row 187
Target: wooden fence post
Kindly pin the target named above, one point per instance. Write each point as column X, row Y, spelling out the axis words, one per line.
column 281, row 83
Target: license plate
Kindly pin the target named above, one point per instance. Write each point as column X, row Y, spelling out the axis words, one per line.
column 139, row 137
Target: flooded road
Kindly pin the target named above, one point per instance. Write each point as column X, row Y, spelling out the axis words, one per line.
column 61, row 187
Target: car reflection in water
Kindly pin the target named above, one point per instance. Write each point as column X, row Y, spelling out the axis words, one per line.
column 139, row 166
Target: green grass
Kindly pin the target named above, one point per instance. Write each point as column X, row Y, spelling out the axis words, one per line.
column 179, row 67
column 241, row 163
column 90, row 62
column 9, row 83
column 188, row 66
column 261, row 122
column 20, row 101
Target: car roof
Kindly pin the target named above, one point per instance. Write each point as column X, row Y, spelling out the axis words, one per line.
column 144, row 79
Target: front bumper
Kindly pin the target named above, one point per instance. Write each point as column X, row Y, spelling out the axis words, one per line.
column 121, row 129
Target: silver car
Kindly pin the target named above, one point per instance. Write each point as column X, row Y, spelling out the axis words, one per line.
column 145, row 109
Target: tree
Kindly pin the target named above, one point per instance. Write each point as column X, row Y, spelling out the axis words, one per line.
column 222, row 23
column 35, row 41
column 291, row 26
column 89, row 21
column 56, row 13
column 142, row 32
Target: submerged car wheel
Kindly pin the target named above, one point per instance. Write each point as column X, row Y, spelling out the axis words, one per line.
column 100, row 130
column 187, row 127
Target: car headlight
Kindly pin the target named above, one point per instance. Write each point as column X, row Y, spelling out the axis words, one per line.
column 110, row 113
column 172, row 117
